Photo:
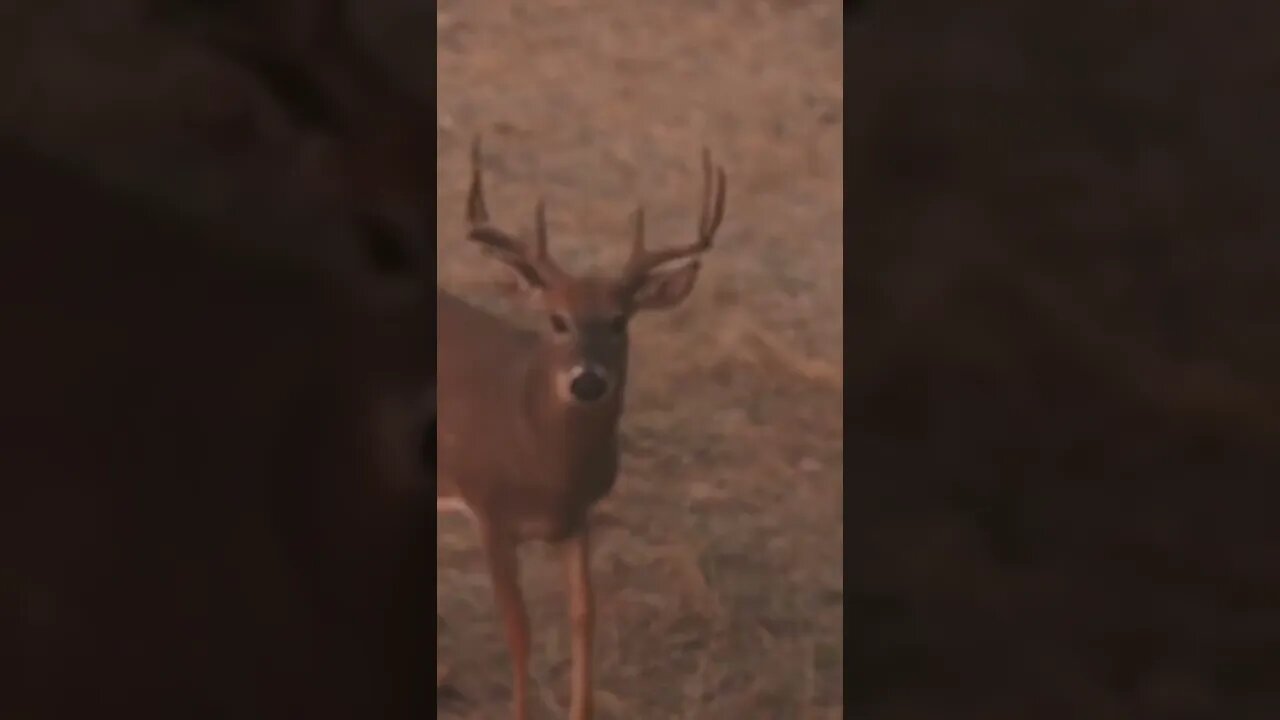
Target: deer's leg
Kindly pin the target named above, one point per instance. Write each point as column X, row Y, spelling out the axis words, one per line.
column 504, row 568
column 581, row 622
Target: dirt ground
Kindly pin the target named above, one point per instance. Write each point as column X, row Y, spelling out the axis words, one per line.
column 719, row 573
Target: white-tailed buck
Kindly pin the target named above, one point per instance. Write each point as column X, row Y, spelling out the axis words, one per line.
column 528, row 420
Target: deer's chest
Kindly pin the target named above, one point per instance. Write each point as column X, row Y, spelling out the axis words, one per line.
column 550, row 501
column 545, row 503
column 539, row 485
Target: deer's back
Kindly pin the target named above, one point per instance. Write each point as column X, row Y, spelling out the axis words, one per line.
column 472, row 340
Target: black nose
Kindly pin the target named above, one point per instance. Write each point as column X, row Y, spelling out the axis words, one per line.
column 588, row 387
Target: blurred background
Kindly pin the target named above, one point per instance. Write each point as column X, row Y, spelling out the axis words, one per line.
column 1063, row 403
column 719, row 560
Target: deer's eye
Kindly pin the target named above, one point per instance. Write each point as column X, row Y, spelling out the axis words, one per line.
column 559, row 324
column 618, row 324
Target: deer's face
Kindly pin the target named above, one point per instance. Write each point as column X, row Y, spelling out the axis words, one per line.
column 585, row 334
column 586, row 326
column 585, row 331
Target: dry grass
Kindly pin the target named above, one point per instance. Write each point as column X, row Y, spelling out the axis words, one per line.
column 720, row 569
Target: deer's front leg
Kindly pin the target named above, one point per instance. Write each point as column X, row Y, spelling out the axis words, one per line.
column 504, row 568
column 577, row 551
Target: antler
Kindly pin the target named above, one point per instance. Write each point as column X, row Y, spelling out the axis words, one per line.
column 534, row 263
column 644, row 261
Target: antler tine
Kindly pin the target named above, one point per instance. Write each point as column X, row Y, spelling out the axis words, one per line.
column 708, row 224
column 540, row 230
column 477, row 211
column 498, row 242
column 637, row 221
column 643, row 261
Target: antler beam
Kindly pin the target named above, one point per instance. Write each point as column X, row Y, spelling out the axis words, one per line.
column 644, row 261
column 528, row 260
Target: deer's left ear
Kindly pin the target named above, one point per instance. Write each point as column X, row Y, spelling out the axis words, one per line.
column 663, row 290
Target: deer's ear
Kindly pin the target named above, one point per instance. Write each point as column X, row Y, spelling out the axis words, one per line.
column 663, row 290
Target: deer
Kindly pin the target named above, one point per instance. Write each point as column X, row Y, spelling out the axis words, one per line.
column 528, row 419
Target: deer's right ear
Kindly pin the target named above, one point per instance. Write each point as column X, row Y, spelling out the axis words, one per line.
column 665, row 289
column 497, row 245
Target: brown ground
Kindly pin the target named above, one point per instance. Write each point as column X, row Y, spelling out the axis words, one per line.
column 720, row 586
